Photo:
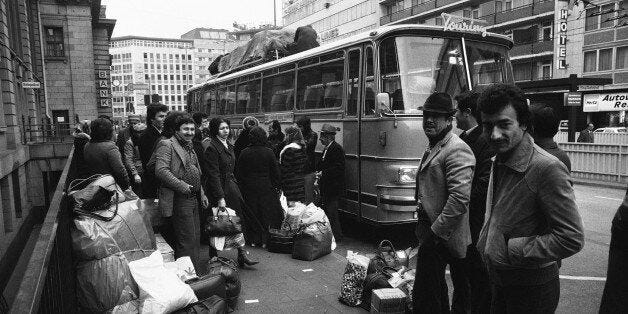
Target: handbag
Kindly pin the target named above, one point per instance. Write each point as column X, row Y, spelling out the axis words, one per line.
column 279, row 241
column 212, row 305
column 376, row 280
column 387, row 256
column 223, row 225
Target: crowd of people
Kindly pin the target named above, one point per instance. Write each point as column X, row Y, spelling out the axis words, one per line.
column 496, row 203
column 192, row 165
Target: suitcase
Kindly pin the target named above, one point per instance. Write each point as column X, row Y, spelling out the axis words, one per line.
column 211, row 305
column 279, row 241
column 229, row 270
column 208, row 285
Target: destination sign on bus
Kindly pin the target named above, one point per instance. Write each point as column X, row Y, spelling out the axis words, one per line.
column 463, row 24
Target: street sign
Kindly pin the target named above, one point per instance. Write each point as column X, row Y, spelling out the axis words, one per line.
column 605, row 102
column 31, row 84
column 573, row 99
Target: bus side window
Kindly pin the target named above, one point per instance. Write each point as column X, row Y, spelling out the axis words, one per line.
column 277, row 92
column 353, row 82
column 369, row 83
column 222, row 100
column 213, row 103
column 254, row 88
column 242, row 98
column 320, row 86
column 390, row 76
column 230, row 98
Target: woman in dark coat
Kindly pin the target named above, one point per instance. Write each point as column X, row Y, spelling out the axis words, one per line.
column 101, row 154
column 275, row 137
column 243, row 139
column 293, row 163
column 258, row 175
column 221, row 186
column 311, row 138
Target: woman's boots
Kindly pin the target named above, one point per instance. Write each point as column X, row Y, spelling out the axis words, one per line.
column 243, row 260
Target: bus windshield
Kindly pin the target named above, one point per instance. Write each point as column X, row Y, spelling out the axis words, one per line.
column 412, row 67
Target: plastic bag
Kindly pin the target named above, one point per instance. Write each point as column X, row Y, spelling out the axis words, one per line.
column 94, row 239
column 161, row 291
column 284, row 203
column 353, row 279
column 312, row 241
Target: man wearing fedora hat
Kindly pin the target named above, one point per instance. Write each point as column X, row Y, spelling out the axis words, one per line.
column 443, row 188
column 332, row 177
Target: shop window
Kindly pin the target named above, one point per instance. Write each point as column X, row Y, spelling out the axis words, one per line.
column 621, row 60
column 590, row 61
column 54, row 42
column 605, row 59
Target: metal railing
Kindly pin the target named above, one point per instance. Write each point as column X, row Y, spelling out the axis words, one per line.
column 598, row 138
column 45, row 131
column 48, row 285
column 598, row 162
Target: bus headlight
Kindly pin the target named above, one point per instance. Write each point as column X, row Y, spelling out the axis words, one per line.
column 407, row 174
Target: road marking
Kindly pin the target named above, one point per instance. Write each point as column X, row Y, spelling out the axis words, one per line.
column 610, row 198
column 251, row 301
column 567, row 277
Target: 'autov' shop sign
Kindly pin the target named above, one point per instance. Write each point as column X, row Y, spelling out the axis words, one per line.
column 605, row 102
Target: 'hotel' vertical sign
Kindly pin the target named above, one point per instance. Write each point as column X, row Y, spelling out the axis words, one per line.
column 561, row 61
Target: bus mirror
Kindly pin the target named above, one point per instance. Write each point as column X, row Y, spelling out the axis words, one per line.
column 383, row 102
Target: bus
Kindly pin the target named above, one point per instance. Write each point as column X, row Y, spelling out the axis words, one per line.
column 371, row 87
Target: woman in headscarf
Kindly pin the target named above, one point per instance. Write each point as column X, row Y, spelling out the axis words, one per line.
column 311, row 138
column 293, row 164
column 181, row 195
column 221, row 185
column 275, row 137
column 258, row 175
column 243, row 139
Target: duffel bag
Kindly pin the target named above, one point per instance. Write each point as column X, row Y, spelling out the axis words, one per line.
column 279, row 241
column 376, row 280
column 211, row 305
column 312, row 241
column 208, row 285
column 229, row 270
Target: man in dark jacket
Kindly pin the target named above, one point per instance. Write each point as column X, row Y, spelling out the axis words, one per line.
column 125, row 134
column 544, row 126
column 615, row 296
column 332, row 177
column 155, row 115
column 469, row 276
column 586, row 136
column 532, row 219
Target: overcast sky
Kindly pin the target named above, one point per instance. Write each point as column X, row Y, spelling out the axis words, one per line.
column 170, row 19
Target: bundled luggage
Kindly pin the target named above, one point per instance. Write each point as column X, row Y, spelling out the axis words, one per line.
column 208, row 285
column 312, row 241
column 310, row 230
column 279, row 241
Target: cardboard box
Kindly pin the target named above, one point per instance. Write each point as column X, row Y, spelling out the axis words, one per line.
column 388, row 300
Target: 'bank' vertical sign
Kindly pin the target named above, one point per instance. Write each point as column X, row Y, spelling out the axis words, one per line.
column 561, row 60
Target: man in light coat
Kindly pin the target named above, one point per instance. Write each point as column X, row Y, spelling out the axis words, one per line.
column 443, row 188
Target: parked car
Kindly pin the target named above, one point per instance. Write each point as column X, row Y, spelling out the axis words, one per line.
column 611, row 130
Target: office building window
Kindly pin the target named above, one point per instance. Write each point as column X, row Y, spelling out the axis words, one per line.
column 54, row 42
column 547, row 31
column 590, row 61
column 621, row 60
column 606, row 60
column 607, row 16
column 546, row 70
column 438, row 21
column 498, row 6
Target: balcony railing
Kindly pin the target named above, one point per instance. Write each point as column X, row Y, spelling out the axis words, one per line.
column 45, row 131
column 524, row 11
column 532, row 48
column 48, row 284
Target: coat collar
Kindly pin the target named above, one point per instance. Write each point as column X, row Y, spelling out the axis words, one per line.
column 435, row 150
column 179, row 149
column 220, row 147
column 519, row 159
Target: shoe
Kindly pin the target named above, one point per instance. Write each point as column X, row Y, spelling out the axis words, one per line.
column 243, row 260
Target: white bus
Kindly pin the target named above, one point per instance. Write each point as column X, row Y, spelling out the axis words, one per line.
column 371, row 87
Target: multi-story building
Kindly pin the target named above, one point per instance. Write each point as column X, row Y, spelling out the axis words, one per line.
column 54, row 69
column 208, row 44
column 148, row 65
column 332, row 19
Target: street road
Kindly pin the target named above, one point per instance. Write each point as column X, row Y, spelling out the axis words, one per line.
column 582, row 275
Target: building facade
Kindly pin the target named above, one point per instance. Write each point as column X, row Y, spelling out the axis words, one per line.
column 332, row 19
column 54, row 63
column 208, row 44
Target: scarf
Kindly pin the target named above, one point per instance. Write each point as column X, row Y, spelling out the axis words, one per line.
column 188, row 146
column 440, row 136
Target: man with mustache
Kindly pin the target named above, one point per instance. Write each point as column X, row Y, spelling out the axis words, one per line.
column 531, row 219
column 443, row 188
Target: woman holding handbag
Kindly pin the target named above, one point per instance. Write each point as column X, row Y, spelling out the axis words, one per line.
column 221, row 185
column 181, row 196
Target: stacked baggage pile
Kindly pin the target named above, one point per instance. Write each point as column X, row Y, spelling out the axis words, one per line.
column 305, row 233
column 381, row 284
column 123, row 267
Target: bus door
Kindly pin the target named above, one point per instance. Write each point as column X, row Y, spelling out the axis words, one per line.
column 351, row 132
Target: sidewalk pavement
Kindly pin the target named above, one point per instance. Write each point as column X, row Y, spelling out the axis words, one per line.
column 281, row 284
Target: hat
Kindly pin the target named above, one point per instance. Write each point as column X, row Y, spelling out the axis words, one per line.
column 439, row 103
column 249, row 122
column 328, row 128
